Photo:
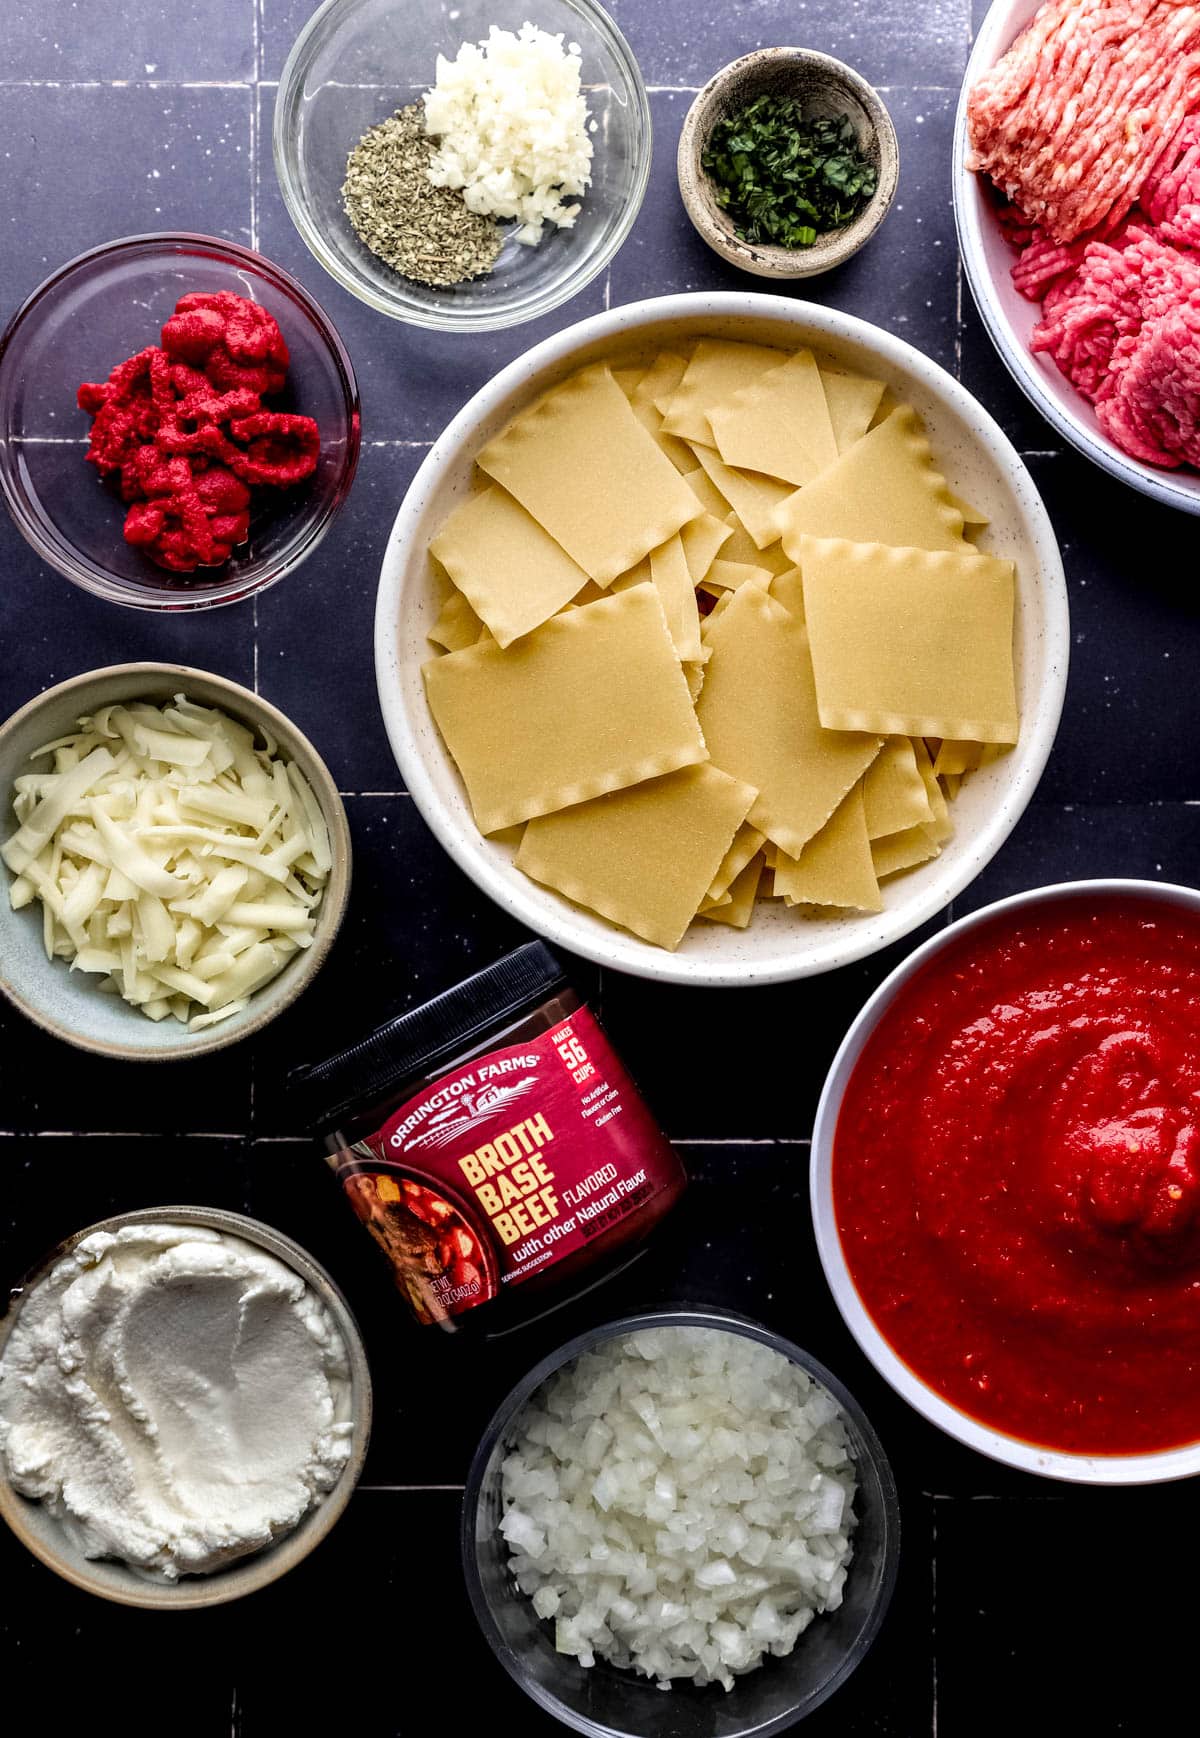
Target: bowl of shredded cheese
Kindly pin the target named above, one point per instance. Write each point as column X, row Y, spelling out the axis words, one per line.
column 175, row 861
column 463, row 168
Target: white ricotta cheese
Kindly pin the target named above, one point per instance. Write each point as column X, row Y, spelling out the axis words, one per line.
column 176, row 1396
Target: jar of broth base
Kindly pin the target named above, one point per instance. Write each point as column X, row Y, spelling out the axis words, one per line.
column 494, row 1146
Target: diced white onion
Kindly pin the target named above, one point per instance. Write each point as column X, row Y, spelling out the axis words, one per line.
column 680, row 1503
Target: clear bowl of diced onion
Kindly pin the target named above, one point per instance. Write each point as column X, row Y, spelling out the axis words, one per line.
column 607, row 1701
column 173, row 871
column 357, row 62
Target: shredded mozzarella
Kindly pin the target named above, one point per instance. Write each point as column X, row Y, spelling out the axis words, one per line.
column 512, row 128
column 172, row 857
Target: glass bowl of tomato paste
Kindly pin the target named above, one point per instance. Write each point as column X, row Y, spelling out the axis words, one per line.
column 1006, row 1181
column 109, row 305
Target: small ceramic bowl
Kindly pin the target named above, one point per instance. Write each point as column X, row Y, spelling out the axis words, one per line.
column 1013, row 1451
column 43, row 1534
column 826, row 87
column 601, row 1701
column 357, row 61
column 69, row 1004
column 90, row 315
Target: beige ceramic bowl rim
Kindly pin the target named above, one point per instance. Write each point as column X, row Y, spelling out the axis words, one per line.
column 251, row 1573
column 544, row 912
column 333, row 902
column 1127, row 1469
column 782, row 262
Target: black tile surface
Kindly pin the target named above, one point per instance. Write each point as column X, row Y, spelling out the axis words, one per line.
column 190, row 40
column 158, row 115
column 333, row 698
column 1046, row 1657
column 84, row 163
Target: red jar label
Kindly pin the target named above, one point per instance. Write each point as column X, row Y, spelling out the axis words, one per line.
column 520, row 1158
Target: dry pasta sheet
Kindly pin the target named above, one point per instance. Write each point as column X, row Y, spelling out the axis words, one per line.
column 736, row 908
column 592, row 701
column 514, row 575
column 835, row 867
column 645, row 857
column 780, row 424
column 718, row 368
column 911, row 642
column 884, row 489
column 582, row 464
column 853, row 400
column 758, row 711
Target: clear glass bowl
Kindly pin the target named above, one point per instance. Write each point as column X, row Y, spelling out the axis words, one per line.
column 357, row 61
column 93, row 313
column 601, row 1701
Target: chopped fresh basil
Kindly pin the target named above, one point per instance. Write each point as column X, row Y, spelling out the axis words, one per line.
column 784, row 179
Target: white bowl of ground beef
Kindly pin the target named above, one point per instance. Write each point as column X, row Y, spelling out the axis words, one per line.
column 1010, row 317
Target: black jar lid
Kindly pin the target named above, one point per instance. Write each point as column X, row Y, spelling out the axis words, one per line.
column 412, row 1043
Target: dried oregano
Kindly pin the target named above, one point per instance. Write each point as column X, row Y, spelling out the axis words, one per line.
column 424, row 232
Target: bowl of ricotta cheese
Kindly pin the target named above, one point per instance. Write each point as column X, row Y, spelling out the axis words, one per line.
column 185, row 1406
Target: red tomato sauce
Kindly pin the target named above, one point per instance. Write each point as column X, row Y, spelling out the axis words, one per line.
column 1016, row 1175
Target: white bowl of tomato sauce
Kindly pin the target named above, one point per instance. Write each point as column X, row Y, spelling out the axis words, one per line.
column 1006, row 1181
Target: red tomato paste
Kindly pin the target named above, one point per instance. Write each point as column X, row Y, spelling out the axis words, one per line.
column 183, row 429
column 1016, row 1175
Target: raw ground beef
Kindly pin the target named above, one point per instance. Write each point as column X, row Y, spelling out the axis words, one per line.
column 1121, row 319
column 1090, row 128
column 1066, row 122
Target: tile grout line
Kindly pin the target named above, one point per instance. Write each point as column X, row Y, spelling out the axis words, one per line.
column 131, row 1134
column 256, row 22
column 933, row 1610
column 256, row 50
column 244, row 84
column 122, row 84
column 394, row 1488
column 82, row 440
column 256, row 73
column 247, row 1136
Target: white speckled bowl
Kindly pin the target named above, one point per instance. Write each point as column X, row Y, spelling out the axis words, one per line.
column 70, row 1005
column 1103, row 1469
column 1010, row 317
column 42, row 1534
column 981, row 464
